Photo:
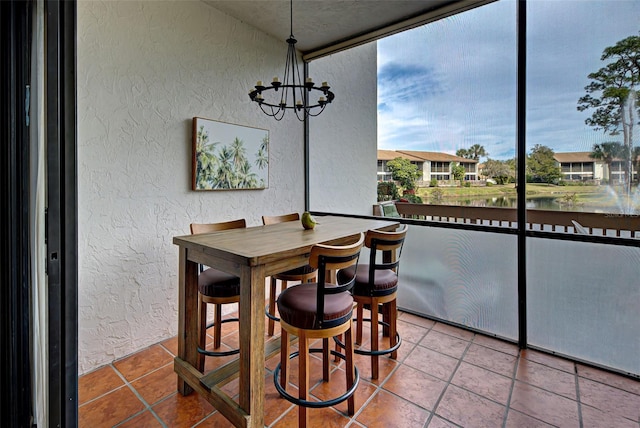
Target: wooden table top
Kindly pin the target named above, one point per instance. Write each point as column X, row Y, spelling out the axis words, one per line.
column 263, row 244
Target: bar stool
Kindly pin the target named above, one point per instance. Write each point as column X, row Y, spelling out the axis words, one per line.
column 303, row 274
column 376, row 286
column 217, row 288
column 318, row 311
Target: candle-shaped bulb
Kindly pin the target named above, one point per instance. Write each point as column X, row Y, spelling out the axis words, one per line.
column 299, row 103
column 325, row 84
column 275, row 79
column 321, row 100
column 259, row 83
column 309, row 80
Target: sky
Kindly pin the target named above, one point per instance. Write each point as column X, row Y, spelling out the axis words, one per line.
column 452, row 83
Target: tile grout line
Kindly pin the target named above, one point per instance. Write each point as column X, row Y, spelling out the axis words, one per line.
column 117, row 372
column 578, row 398
column 448, row 382
column 460, row 361
column 513, row 383
column 380, row 387
column 137, row 394
column 544, row 388
column 514, row 380
column 472, row 342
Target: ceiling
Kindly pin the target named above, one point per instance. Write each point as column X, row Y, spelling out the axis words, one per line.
column 321, row 23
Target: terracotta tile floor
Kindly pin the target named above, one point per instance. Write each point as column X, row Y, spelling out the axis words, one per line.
column 444, row 377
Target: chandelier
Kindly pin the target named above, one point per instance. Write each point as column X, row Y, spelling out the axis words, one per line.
column 291, row 93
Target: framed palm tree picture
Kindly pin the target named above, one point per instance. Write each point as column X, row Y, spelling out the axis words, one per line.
column 228, row 156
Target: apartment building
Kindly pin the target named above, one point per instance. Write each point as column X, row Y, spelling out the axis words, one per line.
column 434, row 165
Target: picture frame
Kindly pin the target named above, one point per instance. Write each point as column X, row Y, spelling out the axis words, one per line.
column 227, row 156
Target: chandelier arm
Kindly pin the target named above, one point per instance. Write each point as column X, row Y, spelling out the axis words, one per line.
column 304, row 115
column 279, row 118
column 309, row 112
column 273, row 113
column 265, row 111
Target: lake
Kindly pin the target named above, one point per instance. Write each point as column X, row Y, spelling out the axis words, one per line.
column 543, row 203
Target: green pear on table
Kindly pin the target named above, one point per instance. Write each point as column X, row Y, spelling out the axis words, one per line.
column 308, row 222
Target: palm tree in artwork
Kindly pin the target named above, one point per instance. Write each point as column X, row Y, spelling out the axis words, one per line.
column 238, row 153
column 262, row 158
column 225, row 173
column 206, row 161
column 246, row 178
column 607, row 152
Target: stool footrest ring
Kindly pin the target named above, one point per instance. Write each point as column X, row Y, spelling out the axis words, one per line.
column 379, row 351
column 270, row 315
column 219, row 353
column 316, row 404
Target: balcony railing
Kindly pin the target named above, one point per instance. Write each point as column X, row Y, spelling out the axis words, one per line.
column 581, row 294
column 618, row 225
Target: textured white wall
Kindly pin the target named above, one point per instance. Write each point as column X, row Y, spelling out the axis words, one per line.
column 344, row 139
column 145, row 69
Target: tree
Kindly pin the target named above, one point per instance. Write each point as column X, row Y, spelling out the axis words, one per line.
column 403, row 171
column 501, row 171
column 614, row 98
column 635, row 159
column 387, row 191
column 458, row 171
column 606, row 152
column 477, row 151
column 541, row 165
column 463, row 153
column 474, row 152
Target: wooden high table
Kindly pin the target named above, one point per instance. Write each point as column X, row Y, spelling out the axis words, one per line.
column 252, row 254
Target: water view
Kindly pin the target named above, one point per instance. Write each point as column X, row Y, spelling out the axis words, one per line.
column 600, row 199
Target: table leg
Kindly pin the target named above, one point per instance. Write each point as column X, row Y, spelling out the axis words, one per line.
column 188, row 317
column 252, row 320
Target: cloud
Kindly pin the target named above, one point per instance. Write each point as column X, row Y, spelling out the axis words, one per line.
column 399, row 84
column 452, row 83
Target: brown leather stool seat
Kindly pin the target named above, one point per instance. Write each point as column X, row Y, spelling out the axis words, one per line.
column 215, row 283
column 298, row 307
column 384, row 283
